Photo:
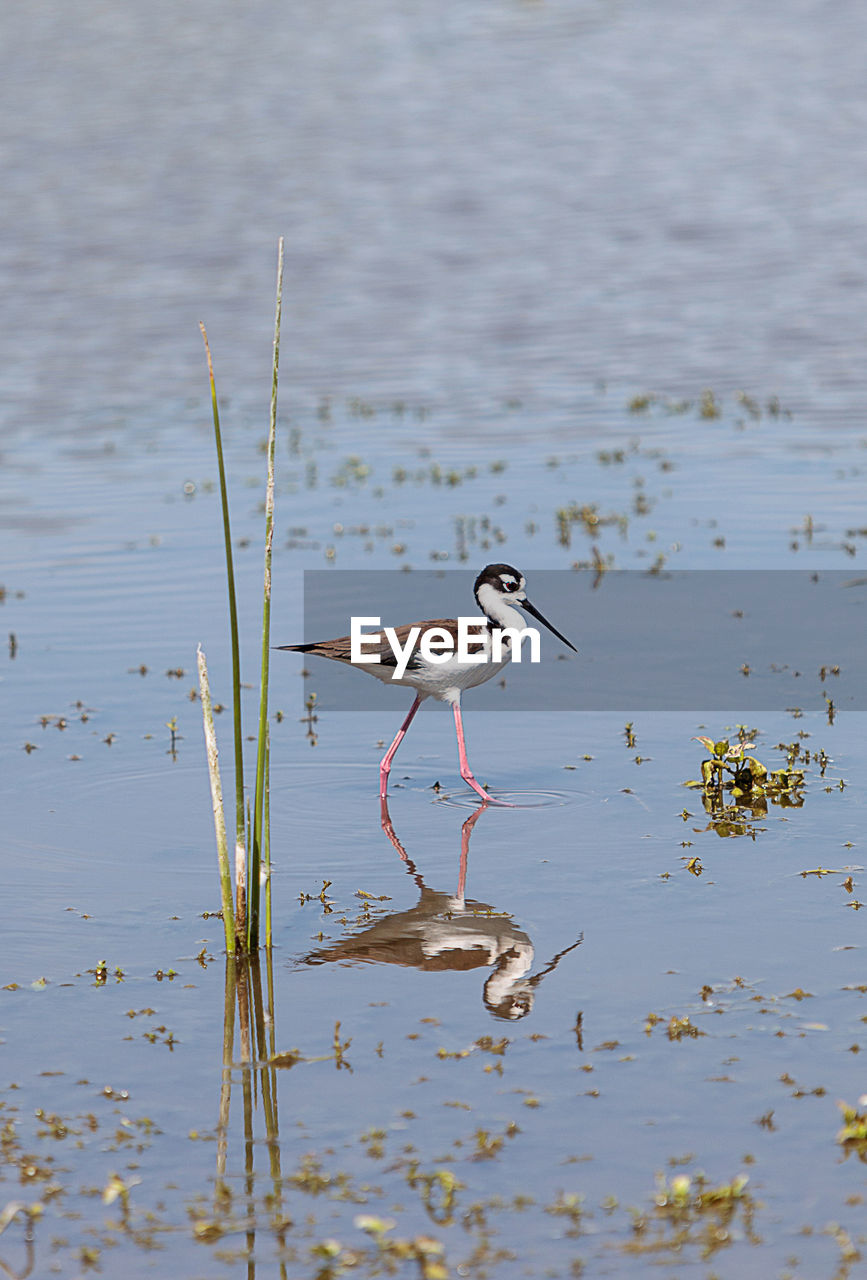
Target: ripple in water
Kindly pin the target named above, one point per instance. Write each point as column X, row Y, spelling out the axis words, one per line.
column 517, row 799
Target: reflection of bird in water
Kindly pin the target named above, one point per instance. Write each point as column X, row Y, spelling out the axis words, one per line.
column 497, row 589
column 446, row 931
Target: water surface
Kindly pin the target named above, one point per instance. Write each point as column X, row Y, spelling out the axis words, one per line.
column 535, row 253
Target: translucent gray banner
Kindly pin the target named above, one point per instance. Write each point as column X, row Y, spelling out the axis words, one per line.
column 727, row 640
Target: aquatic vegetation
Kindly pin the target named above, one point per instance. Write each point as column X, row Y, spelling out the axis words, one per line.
column 682, row 1028
column 684, row 1193
column 587, row 515
column 852, row 1136
column 252, row 839
column 746, row 771
column 709, row 407
column 688, row 1211
column 729, row 771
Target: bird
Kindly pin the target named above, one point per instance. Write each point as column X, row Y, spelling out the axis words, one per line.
column 497, row 590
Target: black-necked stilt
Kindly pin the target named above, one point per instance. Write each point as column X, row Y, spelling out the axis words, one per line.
column 498, row 588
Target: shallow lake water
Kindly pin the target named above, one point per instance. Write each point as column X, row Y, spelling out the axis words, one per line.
column 616, row 986
column 573, row 287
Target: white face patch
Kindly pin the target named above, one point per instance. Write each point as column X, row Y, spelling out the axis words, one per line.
column 511, row 584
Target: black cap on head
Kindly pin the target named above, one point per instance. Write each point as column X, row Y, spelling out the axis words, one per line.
column 495, row 573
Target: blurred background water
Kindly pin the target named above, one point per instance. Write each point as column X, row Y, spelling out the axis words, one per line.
column 477, row 199
column 567, row 283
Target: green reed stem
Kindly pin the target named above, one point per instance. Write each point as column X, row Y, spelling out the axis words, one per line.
column 241, row 894
column 233, row 617
column 217, row 802
column 262, row 750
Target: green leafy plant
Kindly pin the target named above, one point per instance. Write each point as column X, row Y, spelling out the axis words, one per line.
column 737, row 788
column 730, row 767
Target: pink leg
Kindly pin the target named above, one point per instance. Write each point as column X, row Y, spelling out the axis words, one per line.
column 466, row 771
column 385, row 767
column 466, row 832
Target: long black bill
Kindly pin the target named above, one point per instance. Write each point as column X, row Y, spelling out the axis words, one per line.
column 525, row 604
